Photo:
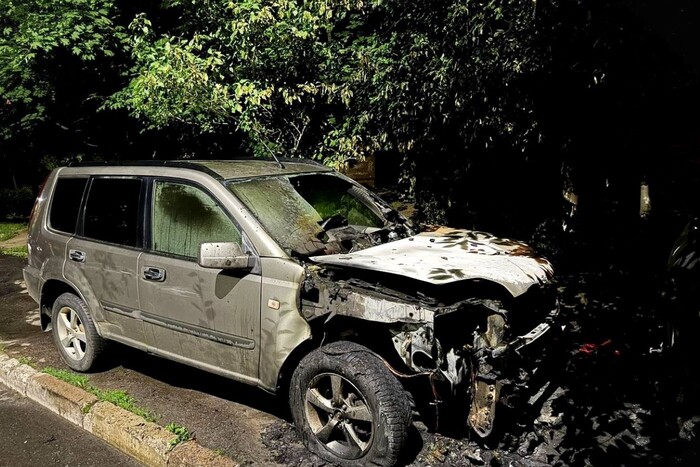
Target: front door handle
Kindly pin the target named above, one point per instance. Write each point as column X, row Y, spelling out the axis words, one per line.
column 77, row 256
column 154, row 274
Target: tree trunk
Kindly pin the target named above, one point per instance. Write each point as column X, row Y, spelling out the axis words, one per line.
column 644, row 200
column 570, row 198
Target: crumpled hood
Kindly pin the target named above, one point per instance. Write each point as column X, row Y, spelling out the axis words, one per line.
column 447, row 255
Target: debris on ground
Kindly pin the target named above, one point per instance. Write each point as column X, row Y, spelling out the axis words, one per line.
column 609, row 404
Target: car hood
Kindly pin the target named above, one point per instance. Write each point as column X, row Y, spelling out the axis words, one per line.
column 446, row 255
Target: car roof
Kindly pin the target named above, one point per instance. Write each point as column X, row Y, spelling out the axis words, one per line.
column 226, row 169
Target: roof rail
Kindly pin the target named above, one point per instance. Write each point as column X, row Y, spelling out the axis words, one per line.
column 150, row 163
column 192, row 163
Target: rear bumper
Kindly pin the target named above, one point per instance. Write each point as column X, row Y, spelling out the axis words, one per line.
column 31, row 279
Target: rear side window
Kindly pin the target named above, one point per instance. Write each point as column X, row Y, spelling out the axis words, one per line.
column 66, row 203
column 112, row 211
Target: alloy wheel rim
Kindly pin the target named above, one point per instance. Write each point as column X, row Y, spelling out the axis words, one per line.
column 339, row 416
column 71, row 333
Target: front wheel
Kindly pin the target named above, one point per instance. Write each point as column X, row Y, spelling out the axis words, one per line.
column 348, row 408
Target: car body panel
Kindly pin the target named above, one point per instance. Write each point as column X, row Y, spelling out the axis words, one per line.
column 47, row 248
column 208, row 315
column 282, row 326
column 450, row 255
column 108, row 281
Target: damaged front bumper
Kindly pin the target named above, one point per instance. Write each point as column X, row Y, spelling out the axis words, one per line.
column 470, row 349
column 475, row 369
column 491, row 373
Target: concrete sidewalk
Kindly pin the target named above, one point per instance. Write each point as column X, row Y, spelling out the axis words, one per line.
column 145, row 441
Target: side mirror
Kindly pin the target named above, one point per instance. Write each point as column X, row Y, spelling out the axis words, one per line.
column 223, row 255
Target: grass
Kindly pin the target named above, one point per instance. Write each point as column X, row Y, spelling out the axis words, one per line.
column 19, row 251
column 181, row 433
column 120, row 399
column 26, row 361
column 10, row 229
column 125, row 401
column 7, row 231
column 69, row 377
column 116, row 397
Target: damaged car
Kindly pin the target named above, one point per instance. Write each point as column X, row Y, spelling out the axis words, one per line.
column 287, row 275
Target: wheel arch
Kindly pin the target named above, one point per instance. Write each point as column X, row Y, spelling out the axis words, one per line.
column 340, row 328
column 284, row 376
column 50, row 291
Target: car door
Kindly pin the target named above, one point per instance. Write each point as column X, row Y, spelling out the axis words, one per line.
column 101, row 260
column 205, row 317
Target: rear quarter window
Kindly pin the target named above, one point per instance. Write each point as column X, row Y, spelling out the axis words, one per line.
column 65, row 204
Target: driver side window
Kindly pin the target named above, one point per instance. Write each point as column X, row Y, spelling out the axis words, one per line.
column 184, row 216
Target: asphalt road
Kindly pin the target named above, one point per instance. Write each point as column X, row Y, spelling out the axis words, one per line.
column 31, row 436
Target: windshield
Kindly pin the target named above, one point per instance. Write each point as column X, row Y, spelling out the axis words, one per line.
column 298, row 211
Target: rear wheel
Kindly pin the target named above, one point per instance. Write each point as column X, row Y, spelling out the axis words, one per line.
column 74, row 333
column 348, row 408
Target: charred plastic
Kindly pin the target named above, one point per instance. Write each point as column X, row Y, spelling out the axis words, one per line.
column 468, row 338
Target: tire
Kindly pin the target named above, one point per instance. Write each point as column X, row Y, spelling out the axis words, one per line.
column 348, row 408
column 75, row 334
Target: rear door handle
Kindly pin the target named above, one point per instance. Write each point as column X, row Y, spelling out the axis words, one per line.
column 77, row 256
column 154, row 274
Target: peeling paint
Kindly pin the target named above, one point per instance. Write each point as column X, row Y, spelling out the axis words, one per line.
column 450, row 255
column 463, row 346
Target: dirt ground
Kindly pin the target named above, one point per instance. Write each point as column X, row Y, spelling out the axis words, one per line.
column 17, row 241
column 612, row 400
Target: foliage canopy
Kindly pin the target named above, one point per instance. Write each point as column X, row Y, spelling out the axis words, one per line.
column 339, row 79
column 466, row 97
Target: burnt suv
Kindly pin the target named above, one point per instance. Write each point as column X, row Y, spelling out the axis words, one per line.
column 291, row 277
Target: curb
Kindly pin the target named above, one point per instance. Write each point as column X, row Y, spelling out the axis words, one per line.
column 145, row 441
